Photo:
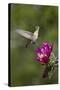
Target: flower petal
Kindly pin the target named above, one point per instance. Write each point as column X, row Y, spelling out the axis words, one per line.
column 43, row 53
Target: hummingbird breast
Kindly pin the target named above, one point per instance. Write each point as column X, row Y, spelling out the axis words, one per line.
column 34, row 38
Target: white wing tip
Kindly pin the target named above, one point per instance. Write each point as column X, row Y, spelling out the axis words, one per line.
column 17, row 31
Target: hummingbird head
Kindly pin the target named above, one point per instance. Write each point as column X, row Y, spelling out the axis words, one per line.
column 35, row 36
column 37, row 28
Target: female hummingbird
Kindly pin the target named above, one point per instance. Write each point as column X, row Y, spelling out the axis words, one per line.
column 29, row 35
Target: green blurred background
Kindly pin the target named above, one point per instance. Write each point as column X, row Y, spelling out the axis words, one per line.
column 24, row 69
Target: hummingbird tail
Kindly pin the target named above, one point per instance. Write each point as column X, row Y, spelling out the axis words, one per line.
column 27, row 44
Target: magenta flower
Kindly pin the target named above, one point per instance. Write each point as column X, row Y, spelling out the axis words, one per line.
column 43, row 53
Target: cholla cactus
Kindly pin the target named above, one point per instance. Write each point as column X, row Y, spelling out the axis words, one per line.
column 46, row 56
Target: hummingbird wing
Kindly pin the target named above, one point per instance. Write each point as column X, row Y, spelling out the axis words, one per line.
column 25, row 34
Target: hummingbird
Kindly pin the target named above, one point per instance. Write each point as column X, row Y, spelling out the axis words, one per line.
column 29, row 35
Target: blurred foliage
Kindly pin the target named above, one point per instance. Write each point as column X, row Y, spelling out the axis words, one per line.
column 24, row 69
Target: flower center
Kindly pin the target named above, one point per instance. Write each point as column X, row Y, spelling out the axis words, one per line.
column 41, row 55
